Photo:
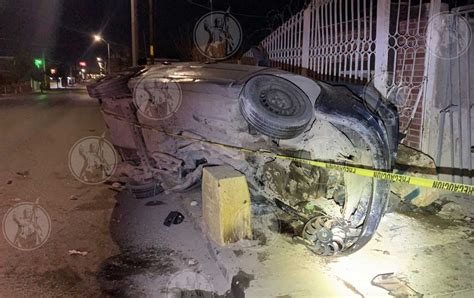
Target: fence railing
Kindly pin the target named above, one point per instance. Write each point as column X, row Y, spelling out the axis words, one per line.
column 381, row 43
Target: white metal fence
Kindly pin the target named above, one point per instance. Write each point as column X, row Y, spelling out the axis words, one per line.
column 377, row 42
column 341, row 39
column 285, row 44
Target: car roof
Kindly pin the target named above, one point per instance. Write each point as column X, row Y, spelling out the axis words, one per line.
column 219, row 72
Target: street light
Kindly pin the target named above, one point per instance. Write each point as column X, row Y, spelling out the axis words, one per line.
column 98, row 38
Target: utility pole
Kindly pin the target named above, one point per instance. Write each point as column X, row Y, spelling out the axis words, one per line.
column 150, row 21
column 45, row 77
column 108, row 58
column 134, row 27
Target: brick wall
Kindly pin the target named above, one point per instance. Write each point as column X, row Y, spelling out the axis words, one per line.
column 409, row 70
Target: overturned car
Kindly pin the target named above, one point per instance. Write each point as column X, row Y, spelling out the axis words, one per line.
column 169, row 121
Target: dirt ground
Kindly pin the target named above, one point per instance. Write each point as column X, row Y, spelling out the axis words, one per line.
column 131, row 253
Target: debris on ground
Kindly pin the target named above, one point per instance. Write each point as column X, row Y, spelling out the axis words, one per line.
column 116, row 185
column 193, row 203
column 452, row 210
column 75, row 197
column 192, row 262
column 154, row 203
column 174, row 217
column 23, row 173
column 238, row 252
column 73, row 252
column 9, row 181
column 240, row 283
column 395, row 286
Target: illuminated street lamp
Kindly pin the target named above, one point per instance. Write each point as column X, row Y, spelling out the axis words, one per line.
column 98, row 38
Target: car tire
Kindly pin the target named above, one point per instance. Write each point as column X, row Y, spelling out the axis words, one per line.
column 275, row 107
column 145, row 190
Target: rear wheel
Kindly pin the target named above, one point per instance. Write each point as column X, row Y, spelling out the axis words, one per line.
column 275, row 107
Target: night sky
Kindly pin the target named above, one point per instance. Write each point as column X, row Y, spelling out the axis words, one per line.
column 63, row 29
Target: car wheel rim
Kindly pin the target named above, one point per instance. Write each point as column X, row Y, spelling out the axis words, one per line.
column 279, row 102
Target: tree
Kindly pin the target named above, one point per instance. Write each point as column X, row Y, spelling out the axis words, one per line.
column 23, row 67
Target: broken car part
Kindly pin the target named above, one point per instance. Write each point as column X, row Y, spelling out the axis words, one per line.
column 174, row 217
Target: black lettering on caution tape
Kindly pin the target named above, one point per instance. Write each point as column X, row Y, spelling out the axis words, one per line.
column 453, row 187
column 392, row 177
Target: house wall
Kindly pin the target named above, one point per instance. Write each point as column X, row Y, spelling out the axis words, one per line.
column 409, row 72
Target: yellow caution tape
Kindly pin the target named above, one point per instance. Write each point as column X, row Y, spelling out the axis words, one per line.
column 398, row 178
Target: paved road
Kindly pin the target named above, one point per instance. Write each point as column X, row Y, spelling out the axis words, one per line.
column 37, row 132
column 127, row 244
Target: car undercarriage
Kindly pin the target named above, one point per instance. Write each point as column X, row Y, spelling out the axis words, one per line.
column 168, row 122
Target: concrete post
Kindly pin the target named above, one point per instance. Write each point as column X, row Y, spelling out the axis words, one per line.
column 134, row 27
column 381, row 45
column 306, row 36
